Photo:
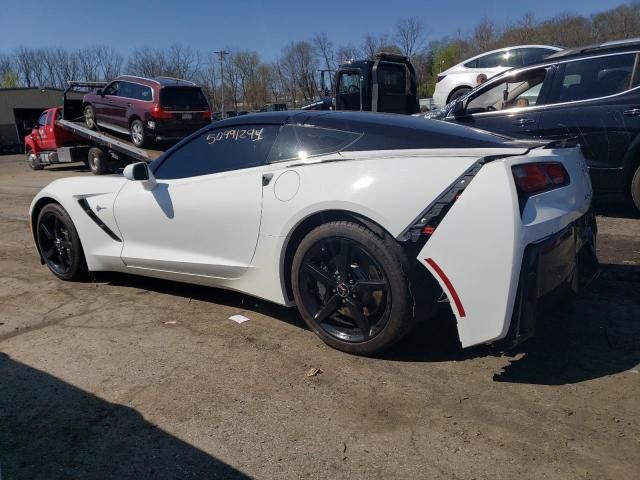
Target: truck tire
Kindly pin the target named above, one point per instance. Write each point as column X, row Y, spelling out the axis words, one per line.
column 90, row 117
column 138, row 135
column 32, row 160
column 635, row 189
column 97, row 161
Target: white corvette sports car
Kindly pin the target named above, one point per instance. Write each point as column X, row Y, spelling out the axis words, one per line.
column 364, row 221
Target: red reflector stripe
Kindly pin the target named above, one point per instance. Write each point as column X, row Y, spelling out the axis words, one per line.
column 456, row 299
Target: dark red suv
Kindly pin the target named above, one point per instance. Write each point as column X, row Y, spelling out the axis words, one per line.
column 148, row 109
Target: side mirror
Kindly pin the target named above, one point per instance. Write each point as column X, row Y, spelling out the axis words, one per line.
column 139, row 172
column 100, row 92
column 458, row 109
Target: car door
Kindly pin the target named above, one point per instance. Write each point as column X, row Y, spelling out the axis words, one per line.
column 590, row 100
column 203, row 216
column 511, row 104
column 120, row 104
column 45, row 131
column 104, row 104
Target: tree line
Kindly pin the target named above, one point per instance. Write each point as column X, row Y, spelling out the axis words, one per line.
column 294, row 77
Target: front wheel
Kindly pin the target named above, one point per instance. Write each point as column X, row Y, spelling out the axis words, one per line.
column 351, row 288
column 33, row 161
column 59, row 244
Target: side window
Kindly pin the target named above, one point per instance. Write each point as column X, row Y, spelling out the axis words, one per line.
column 300, row 142
column 513, row 91
column 532, row 55
column 144, row 93
column 349, row 82
column 593, row 78
column 127, row 90
column 491, row 60
column 219, row 150
column 42, row 121
column 391, row 78
column 636, row 76
column 112, row 89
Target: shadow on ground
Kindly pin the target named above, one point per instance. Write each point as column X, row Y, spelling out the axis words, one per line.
column 596, row 335
column 52, row 430
column 615, row 209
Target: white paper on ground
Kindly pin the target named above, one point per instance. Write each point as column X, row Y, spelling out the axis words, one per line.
column 239, row 318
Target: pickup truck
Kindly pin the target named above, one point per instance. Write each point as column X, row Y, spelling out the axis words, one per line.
column 58, row 138
column 49, row 143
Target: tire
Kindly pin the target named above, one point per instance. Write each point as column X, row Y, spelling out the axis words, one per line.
column 33, row 161
column 347, row 314
column 90, row 117
column 138, row 136
column 635, row 189
column 458, row 93
column 59, row 244
column 97, row 161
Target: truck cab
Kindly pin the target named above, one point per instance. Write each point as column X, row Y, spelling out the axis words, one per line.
column 385, row 84
column 48, row 143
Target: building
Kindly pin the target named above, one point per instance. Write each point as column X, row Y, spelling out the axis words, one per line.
column 19, row 110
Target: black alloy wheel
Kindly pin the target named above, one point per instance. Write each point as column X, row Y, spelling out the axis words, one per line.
column 346, row 288
column 59, row 244
column 351, row 287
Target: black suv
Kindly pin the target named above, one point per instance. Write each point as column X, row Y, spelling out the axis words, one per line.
column 592, row 93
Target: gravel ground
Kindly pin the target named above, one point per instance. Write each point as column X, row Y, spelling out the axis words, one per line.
column 126, row 377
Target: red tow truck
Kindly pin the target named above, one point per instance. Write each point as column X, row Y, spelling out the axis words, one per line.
column 62, row 137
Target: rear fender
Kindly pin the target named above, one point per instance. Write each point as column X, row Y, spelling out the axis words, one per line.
column 473, row 255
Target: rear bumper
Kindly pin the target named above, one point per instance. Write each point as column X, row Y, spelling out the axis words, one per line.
column 172, row 130
column 553, row 270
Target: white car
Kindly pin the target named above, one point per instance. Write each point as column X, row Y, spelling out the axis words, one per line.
column 362, row 220
column 461, row 78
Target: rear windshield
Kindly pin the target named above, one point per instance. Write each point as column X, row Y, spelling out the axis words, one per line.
column 186, row 98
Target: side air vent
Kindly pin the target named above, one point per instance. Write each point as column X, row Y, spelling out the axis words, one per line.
column 426, row 223
column 85, row 206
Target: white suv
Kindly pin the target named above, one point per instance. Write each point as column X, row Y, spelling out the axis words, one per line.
column 459, row 79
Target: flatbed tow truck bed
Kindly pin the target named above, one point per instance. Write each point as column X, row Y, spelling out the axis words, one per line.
column 109, row 141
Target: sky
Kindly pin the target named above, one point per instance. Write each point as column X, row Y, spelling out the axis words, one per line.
column 263, row 26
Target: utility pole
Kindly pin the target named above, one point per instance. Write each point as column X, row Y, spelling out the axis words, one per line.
column 221, row 54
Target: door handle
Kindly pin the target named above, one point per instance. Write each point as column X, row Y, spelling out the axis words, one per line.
column 632, row 112
column 523, row 121
column 128, row 104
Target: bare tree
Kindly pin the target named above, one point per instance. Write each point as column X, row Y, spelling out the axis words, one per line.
column 411, row 34
column 323, row 47
column 373, row 44
column 621, row 22
column 484, row 36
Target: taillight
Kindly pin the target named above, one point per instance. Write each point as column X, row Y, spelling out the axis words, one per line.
column 440, row 77
column 206, row 114
column 532, row 178
column 158, row 112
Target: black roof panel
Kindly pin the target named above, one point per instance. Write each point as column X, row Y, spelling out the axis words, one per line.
column 384, row 131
